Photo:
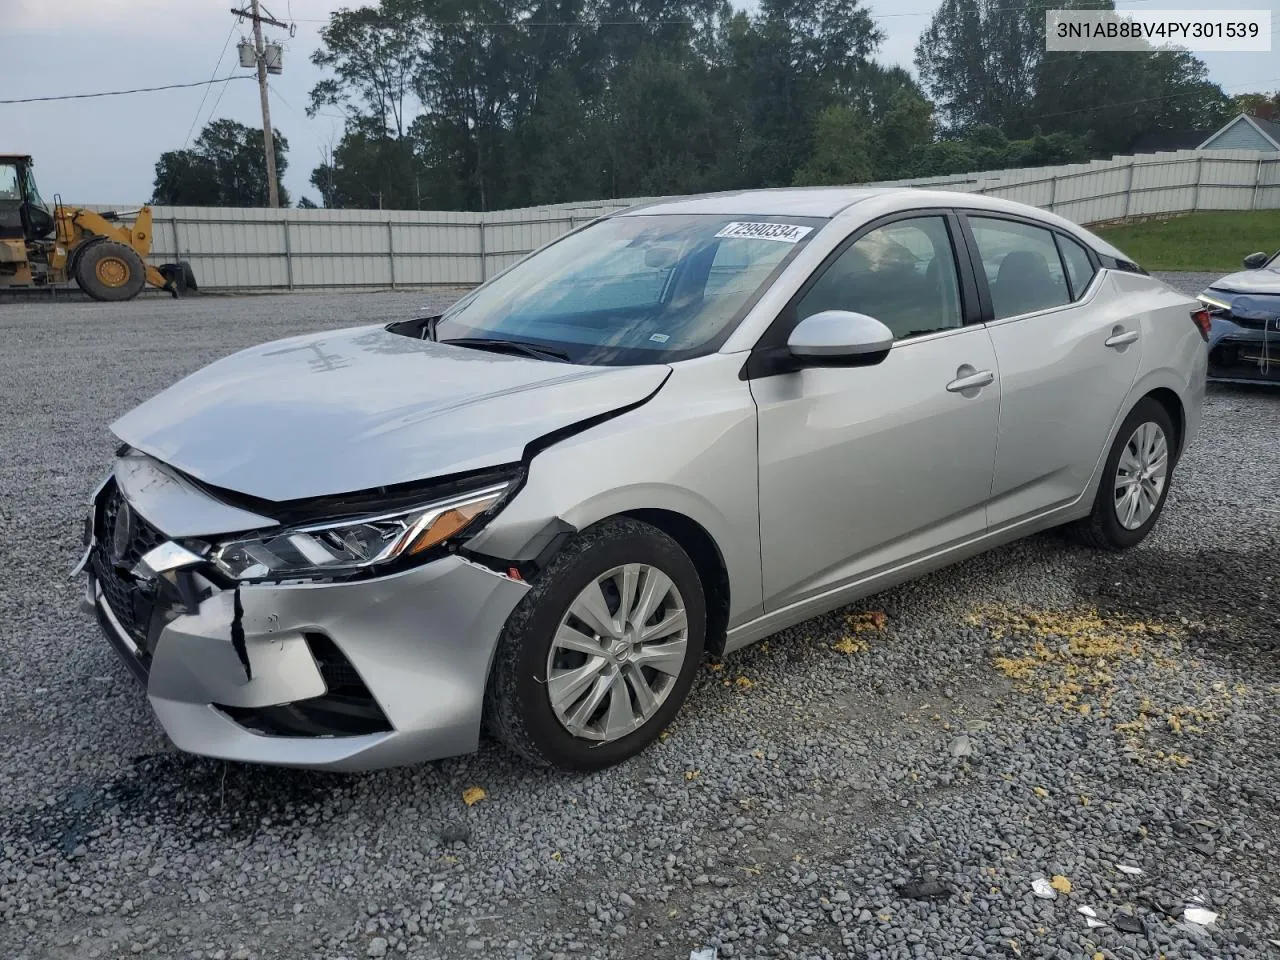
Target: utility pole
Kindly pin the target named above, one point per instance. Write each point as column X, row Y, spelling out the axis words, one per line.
column 268, row 136
column 255, row 14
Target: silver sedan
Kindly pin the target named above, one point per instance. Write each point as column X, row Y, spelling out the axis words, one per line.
column 664, row 436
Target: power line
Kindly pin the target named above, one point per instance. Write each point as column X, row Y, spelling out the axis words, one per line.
column 214, row 108
column 1252, row 84
column 663, row 21
column 121, row 93
column 205, row 95
column 300, row 114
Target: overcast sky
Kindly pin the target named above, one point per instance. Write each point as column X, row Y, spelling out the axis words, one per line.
column 104, row 150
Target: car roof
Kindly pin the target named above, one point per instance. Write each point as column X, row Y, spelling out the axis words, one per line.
column 787, row 201
column 830, row 202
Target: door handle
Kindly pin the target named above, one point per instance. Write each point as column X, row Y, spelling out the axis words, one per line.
column 1122, row 339
column 971, row 381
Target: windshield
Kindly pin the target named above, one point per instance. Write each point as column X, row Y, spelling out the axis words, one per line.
column 633, row 289
column 33, row 195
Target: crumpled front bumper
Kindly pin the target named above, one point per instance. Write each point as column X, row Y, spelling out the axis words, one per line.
column 1243, row 354
column 420, row 641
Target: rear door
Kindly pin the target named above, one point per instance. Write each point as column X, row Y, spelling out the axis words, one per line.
column 862, row 468
column 1067, row 361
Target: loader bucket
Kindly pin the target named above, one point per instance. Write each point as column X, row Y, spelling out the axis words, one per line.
column 180, row 276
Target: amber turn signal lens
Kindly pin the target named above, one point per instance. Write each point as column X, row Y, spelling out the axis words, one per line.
column 447, row 524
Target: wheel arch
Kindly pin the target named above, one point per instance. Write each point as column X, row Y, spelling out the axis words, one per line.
column 1172, row 404
column 707, row 559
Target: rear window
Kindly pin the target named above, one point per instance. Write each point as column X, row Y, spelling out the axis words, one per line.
column 1024, row 271
column 1079, row 267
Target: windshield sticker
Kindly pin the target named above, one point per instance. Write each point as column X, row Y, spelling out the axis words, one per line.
column 660, row 338
column 782, row 232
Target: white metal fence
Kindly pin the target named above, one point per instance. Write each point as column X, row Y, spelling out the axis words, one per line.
column 260, row 249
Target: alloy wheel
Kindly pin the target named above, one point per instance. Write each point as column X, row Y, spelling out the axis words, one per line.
column 617, row 652
column 1141, row 475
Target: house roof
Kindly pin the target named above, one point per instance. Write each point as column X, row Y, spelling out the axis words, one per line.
column 1268, row 128
column 1168, row 141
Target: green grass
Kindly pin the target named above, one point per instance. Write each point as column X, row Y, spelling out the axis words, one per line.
column 1200, row 242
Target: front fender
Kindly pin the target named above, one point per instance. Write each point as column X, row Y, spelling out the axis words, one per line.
column 690, row 450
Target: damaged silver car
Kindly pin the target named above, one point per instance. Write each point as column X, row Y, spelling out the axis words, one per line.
column 666, row 435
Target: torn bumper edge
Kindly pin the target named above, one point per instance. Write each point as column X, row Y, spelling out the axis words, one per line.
column 422, row 642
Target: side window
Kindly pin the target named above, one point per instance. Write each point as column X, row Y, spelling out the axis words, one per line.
column 1022, row 266
column 903, row 274
column 1079, row 268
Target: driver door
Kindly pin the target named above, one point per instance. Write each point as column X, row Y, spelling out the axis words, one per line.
column 864, row 468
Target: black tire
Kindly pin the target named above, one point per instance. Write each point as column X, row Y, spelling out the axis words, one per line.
column 1102, row 529
column 107, row 270
column 518, row 709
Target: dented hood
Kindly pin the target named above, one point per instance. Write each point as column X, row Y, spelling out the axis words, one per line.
column 1266, row 280
column 355, row 409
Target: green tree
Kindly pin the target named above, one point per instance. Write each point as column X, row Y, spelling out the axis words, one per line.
column 657, row 129
column 374, row 53
column 984, row 64
column 370, row 170
column 560, row 143
column 906, row 126
column 225, row 167
column 1250, row 102
column 841, row 150
column 978, row 59
column 1111, row 99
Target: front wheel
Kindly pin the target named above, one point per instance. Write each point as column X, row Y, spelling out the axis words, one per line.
column 1135, row 481
column 598, row 657
column 110, row 271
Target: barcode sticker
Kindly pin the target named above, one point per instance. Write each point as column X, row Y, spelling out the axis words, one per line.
column 781, row 232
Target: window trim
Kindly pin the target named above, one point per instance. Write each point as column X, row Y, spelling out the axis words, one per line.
column 980, row 274
column 1061, row 239
column 763, row 361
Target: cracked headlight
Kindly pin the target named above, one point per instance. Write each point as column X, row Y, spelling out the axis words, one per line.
column 1214, row 305
column 343, row 547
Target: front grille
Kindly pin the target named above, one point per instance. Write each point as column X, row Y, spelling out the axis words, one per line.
column 144, row 537
column 1238, row 360
column 1253, row 323
column 132, row 601
column 120, row 594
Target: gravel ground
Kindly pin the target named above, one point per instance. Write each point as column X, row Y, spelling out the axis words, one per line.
column 1039, row 712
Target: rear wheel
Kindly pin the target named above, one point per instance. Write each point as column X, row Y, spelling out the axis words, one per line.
column 1135, row 481
column 600, row 654
column 110, row 271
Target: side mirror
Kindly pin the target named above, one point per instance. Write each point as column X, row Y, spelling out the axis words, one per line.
column 1256, row 261
column 839, row 338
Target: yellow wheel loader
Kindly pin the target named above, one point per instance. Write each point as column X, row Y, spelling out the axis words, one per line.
column 103, row 256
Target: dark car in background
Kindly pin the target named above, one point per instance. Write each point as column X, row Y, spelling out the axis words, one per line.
column 1244, row 338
